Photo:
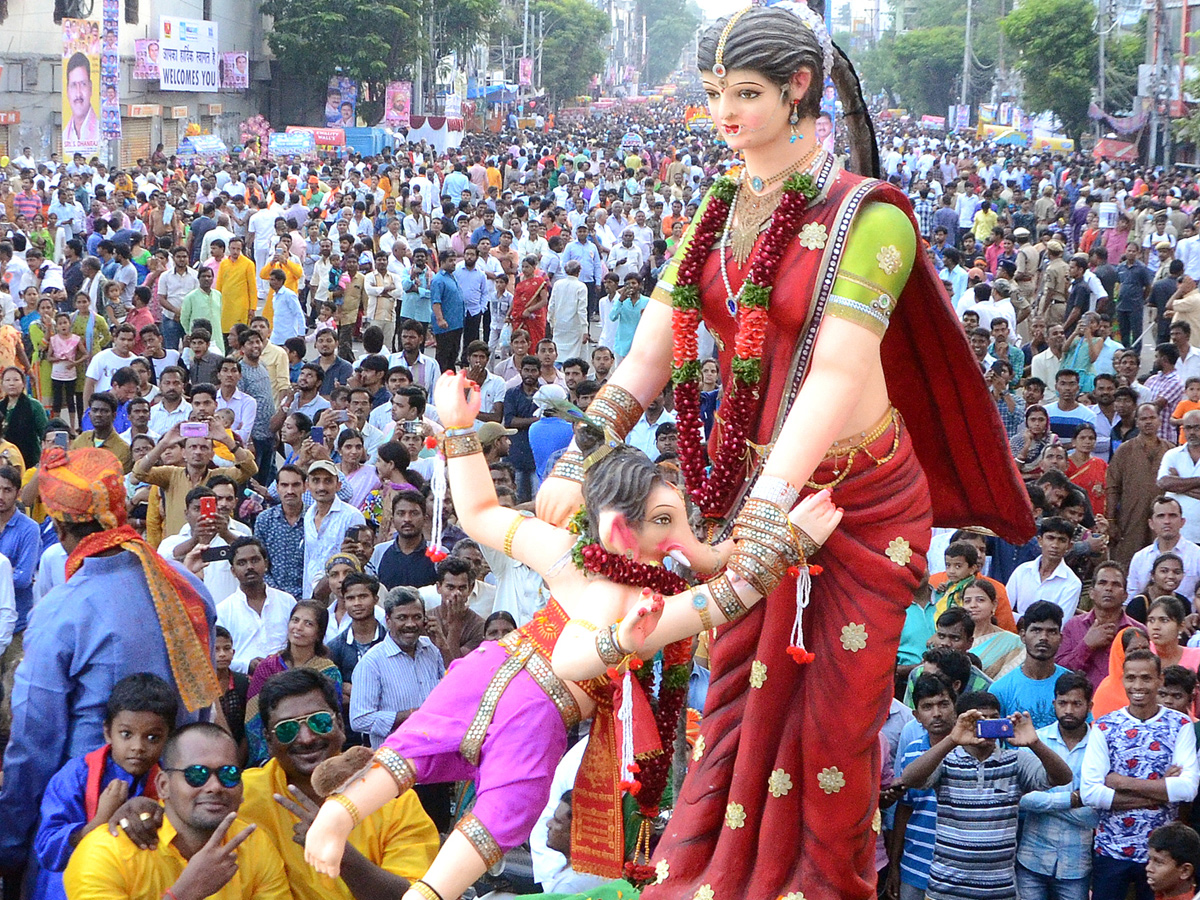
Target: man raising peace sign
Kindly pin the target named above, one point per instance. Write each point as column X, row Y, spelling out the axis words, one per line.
column 199, row 852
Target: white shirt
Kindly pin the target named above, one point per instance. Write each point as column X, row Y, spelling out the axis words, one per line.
column 218, row 577
column 1188, row 251
column 51, row 571
column 1180, row 460
column 1189, row 366
column 255, row 635
column 551, row 869
column 321, row 543
column 8, row 603
column 424, row 371
column 642, row 435
column 163, row 419
column 103, row 365
column 625, row 260
column 481, row 600
column 1025, row 587
column 1139, row 567
column 996, row 309
column 175, row 287
column 491, row 392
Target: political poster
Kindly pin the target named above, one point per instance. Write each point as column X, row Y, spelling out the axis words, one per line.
column 145, row 59
column 188, row 57
column 235, row 70
column 81, row 87
column 525, row 71
column 296, row 143
column 341, row 102
column 398, row 104
column 110, row 75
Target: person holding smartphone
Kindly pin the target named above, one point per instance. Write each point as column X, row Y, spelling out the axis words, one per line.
column 975, row 850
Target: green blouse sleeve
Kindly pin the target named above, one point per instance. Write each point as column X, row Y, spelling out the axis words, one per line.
column 880, row 251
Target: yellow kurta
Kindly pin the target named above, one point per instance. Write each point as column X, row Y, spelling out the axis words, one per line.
column 239, row 291
column 293, row 272
column 104, row 867
column 400, row 838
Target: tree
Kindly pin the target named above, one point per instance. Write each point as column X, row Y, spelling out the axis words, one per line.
column 370, row 41
column 574, row 45
column 1058, row 56
column 928, row 62
column 670, row 25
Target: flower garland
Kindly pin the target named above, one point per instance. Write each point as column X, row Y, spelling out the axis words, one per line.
column 714, row 491
column 589, row 555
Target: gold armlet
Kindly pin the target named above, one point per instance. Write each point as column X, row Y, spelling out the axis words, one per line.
column 398, row 767
column 616, row 408
column 512, row 533
column 422, row 888
column 462, row 445
column 607, row 648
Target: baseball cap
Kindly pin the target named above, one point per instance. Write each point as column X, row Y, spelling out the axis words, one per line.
column 489, row 431
column 1003, row 287
column 323, row 465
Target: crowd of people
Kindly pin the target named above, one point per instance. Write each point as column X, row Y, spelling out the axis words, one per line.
column 255, row 342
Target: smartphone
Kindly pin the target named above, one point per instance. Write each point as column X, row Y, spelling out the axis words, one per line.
column 216, row 554
column 193, row 429
column 62, row 439
column 341, row 415
column 318, row 434
column 994, row 729
column 208, row 506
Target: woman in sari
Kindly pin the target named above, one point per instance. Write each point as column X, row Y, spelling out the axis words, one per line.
column 23, row 417
column 360, row 478
column 999, row 651
column 1110, row 695
column 1028, row 446
column 94, row 331
column 306, row 648
column 1082, row 350
column 1087, row 471
column 530, row 298
column 40, row 332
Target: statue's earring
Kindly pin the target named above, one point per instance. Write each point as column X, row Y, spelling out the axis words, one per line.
column 794, row 121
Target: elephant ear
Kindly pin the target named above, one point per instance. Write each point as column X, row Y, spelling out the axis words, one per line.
column 616, row 534
column 336, row 773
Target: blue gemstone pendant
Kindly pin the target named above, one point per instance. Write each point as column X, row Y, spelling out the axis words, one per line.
column 756, row 184
column 731, row 305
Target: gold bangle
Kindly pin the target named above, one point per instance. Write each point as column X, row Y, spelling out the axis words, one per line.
column 700, row 604
column 806, row 544
column 481, row 839
column 347, row 804
column 425, row 890
column 755, row 572
column 462, row 445
column 398, row 767
column 512, row 533
column 569, row 466
column 726, row 598
column 618, row 408
column 607, row 648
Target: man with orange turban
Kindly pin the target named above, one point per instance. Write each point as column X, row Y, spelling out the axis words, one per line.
column 122, row 610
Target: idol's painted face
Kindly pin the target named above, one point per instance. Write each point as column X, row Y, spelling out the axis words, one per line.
column 748, row 109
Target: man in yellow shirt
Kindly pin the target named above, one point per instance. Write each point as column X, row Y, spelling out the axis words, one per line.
column 292, row 271
column 238, row 287
column 303, row 724
column 203, row 849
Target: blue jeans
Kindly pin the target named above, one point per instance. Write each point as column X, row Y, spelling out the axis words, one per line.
column 1035, row 886
column 172, row 333
column 1111, row 878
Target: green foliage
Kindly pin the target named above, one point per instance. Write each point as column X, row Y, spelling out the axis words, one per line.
column 670, row 26
column 1058, row 57
column 371, row 41
column 927, row 63
column 574, row 47
column 1124, row 52
column 1187, row 129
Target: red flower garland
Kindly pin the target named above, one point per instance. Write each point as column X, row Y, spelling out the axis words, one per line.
column 740, row 407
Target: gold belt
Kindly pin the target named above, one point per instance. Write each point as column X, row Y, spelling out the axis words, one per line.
column 850, row 447
column 523, row 656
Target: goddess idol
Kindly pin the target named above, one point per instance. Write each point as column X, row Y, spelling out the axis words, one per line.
column 866, row 388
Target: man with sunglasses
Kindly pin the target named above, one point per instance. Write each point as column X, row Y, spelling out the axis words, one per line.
column 202, row 848
column 388, row 851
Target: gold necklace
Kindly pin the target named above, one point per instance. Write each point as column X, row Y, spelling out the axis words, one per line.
column 753, row 209
column 757, row 184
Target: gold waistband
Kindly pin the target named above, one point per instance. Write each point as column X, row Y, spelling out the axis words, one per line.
column 865, row 438
column 523, row 655
column 845, row 452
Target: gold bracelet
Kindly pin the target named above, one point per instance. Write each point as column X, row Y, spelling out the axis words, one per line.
column 618, row 409
column 347, row 804
column 607, row 648
column 806, row 544
column 700, row 604
column 462, row 445
column 512, row 533
column 398, row 767
column 726, row 598
column 755, row 572
column 425, row 890
column 569, row 466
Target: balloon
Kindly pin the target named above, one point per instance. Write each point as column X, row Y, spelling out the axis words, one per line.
column 4, row 160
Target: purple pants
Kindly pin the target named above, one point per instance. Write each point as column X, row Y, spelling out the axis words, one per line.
column 524, row 743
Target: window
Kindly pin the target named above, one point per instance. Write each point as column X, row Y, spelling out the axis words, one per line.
column 207, row 13
column 131, row 12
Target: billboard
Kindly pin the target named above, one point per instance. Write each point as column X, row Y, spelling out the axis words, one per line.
column 398, row 104
column 81, row 87
column 341, row 102
column 110, row 76
column 145, row 59
column 235, row 70
column 188, row 55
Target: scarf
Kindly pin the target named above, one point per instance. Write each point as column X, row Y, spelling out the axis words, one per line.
column 96, row 762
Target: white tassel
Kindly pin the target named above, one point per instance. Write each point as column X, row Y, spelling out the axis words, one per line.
column 438, row 487
column 797, row 650
column 625, row 717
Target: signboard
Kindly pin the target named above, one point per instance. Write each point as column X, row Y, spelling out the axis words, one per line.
column 296, row 143
column 212, row 109
column 341, row 102
column 10, row 117
column 206, row 145
column 322, row 137
column 81, row 87
column 145, row 56
column 188, row 58
column 179, row 112
column 235, row 70
column 631, row 141
column 143, row 110
column 398, row 104
column 933, row 121
column 454, row 106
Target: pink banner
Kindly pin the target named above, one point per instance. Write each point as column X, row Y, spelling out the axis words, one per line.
column 525, row 70
column 145, row 54
column 398, row 104
column 323, row 137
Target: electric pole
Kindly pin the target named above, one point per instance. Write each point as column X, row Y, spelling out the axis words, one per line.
column 966, row 72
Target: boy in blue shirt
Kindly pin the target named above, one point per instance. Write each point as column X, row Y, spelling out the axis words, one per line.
column 1030, row 687
column 85, row 793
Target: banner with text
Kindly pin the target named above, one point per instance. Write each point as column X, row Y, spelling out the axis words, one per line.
column 110, row 76
column 235, row 70
column 80, row 87
column 145, row 59
column 188, row 58
column 399, row 104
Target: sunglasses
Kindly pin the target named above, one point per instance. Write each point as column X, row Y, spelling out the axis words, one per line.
column 197, row 776
column 289, row 729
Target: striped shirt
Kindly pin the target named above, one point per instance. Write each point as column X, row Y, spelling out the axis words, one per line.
column 976, row 847
column 920, row 834
column 388, row 680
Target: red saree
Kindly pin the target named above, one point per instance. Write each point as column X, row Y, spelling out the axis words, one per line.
column 782, row 795
column 1091, row 478
column 523, row 295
